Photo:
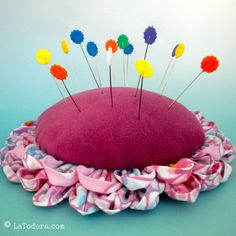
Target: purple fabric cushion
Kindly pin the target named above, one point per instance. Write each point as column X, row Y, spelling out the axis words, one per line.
column 105, row 137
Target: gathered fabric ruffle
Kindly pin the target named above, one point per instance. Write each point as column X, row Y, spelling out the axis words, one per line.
column 89, row 190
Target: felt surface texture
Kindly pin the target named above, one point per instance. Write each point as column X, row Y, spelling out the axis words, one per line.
column 105, row 137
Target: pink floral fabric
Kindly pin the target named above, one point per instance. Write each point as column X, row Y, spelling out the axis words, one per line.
column 90, row 190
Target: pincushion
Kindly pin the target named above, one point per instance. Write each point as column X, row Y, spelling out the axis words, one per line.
column 115, row 148
column 105, row 137
column 89, row 190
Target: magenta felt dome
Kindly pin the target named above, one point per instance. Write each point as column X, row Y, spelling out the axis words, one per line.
column 105, row 137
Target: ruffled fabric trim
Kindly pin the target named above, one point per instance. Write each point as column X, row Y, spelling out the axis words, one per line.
column 90, row 190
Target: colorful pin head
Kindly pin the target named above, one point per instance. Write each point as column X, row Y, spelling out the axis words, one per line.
column 77, row 36
column 92, row 49
column 58, row 72
column 179, row 50
column 111, row 43
column 144, row 68
column 209, row 64
column 129, row 49
column 150, row 35
column 65, row 46
column 122, row 41
column 43, row 56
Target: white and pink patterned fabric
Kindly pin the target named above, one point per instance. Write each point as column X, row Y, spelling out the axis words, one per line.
column 90, row 190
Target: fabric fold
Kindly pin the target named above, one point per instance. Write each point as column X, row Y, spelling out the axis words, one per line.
column 59, row 174
column 31, row 180
column 49, row 195
column 175, row 173
column 134, row 179
column 100, row 181
column 82, row 200
column 187, row 191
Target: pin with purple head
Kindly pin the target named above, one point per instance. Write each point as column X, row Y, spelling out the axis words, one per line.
column 149, row 36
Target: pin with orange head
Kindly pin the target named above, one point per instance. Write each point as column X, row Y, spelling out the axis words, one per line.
column 208, row 65
column 111, row 47
column 60, row 73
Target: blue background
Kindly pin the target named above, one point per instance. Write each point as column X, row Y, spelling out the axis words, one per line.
column 26, row 89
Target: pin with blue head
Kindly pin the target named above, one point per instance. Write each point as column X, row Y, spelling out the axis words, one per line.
column 128, row 51
column 77, row 37
column 92, row 51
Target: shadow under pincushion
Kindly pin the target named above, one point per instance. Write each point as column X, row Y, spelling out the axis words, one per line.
column 104, row 137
